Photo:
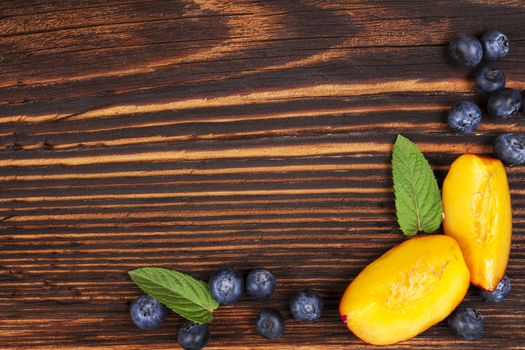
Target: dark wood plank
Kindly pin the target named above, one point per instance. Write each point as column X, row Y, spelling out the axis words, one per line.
column 197, row 134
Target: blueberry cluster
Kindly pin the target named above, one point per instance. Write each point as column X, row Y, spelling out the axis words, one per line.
column 306, row 306
column 226, row 286
column 503, row 103
column 467, row 322
column 148, row 313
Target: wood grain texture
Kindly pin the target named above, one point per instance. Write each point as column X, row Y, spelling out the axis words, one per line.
column 196, row 134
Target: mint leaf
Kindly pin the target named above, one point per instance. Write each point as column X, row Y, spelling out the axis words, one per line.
column 183, row 294
column 418, row 200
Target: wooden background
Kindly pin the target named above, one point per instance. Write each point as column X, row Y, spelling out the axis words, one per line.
column 196, row 134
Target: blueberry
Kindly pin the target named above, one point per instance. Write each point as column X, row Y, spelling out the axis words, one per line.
column 495, row 45
column 226, row 285
column 504, row 103
column 523, row 101
column 147, row 312
column 510, row 148
column 489, row 80
column 465, row 117
column 466, row 50
column 269, row 323
column 307, row 306
column 193, row 336
column 260, row 283
column 466, row 322
column 502, row 290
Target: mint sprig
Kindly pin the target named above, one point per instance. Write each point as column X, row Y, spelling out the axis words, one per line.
column 183, row 294
column 418, row 200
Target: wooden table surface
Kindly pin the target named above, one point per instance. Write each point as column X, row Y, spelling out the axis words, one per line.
column 196, row 134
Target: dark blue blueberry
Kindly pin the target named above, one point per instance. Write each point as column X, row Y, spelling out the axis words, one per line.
column 307, row 306
column 147, row 312
column 466, row 50
column 495, row 45
column 504, row 103
column 500, row 293
column 269, row 323
column 465, row 117
column 523, row 101
column 260, row 283
column 466, row 322
column 489, row 80
column 226, row 285
column 510, row 148
column 193, row 336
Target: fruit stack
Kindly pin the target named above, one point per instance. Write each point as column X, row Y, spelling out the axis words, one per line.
column 424, row 279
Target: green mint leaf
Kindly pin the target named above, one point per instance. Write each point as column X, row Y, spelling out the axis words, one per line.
column 183, row 294
column 418, row 200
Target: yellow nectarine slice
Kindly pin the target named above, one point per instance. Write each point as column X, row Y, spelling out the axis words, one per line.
column 478, row 214
column 405, row 291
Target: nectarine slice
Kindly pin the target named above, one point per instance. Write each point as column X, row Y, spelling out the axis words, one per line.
column 405, row 291
column 478, row 214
